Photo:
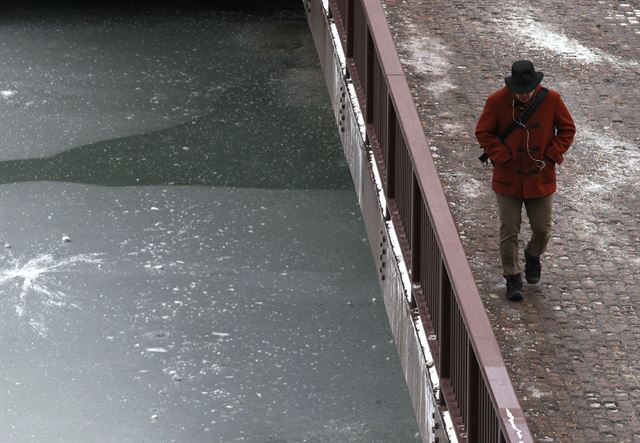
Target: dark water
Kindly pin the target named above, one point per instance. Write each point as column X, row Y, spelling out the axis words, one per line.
column 184, row 258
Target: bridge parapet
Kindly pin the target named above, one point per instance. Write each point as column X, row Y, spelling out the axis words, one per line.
column 458, row 382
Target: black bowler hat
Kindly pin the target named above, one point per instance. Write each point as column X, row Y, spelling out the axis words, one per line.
column 524, row 77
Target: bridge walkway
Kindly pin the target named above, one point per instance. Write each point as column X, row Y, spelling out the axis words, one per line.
column 571, row 346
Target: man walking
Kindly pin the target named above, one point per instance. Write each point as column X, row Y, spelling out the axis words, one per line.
column 524, row 130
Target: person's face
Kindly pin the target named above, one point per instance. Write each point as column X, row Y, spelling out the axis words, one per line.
column 524, row 98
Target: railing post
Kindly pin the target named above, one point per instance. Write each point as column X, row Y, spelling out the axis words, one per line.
column 349, row 25
column 416, row 231
column 368, row 83
column 473, row 396
column 392, row 122
column 444, row 323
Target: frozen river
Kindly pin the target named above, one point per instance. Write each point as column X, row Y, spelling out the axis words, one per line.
column 182, row 256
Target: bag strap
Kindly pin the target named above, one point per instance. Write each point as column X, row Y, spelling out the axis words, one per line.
column 523, row 119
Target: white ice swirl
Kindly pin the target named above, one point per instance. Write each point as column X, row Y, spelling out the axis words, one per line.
column 31, row 286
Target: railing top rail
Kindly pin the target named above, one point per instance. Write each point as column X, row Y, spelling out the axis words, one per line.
column 464, row 287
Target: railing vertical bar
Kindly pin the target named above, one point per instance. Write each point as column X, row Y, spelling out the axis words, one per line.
column 460, row 359
column 359, row 40
column 416, row 238
column 460, row 363
column 464, row 368
column 490, row 422
column 435, row 279
column 472, row 393
column 406, row 195
column 426, row 256
column 444, row 324
column 483, row 435
column 349, row 26
column 368, row 83
column 381, row 104
column 397, row 176
column 453, row 322
column 408, row 203
column 487, row 434
column 391, row 146
column 432, row 272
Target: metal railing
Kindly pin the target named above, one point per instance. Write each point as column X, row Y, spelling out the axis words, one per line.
column 475, row 386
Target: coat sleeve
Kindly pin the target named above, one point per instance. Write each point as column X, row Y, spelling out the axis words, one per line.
column 565, row 131
column 487, row 134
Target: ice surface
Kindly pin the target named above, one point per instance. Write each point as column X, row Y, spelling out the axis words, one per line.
column 215, row 309
column 270, row 317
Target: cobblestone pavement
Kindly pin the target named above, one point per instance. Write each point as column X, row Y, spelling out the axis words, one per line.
column 572, row 345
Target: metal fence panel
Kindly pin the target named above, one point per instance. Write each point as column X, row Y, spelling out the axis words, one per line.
column 476, row 388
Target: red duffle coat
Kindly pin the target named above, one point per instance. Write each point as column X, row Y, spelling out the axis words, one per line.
column 551, row 131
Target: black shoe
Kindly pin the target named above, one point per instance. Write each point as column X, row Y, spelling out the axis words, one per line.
column 514, row 287
column 532, row 268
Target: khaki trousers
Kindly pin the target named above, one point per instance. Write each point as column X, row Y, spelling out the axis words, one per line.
column 510, row 211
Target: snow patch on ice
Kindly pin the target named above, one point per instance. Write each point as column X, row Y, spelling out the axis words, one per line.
column 340, row 431
column 8, row 93
column 38, row 327
column 156, row 350
column 31, row 286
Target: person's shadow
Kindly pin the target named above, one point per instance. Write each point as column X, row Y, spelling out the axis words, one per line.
column 244, row 145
